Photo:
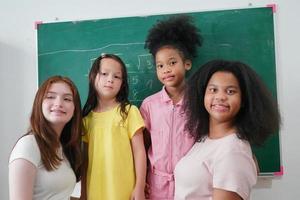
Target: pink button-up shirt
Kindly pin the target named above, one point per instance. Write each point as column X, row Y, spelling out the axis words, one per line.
column 169, row 142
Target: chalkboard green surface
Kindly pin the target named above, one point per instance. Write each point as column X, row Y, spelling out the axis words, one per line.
column 69, row 49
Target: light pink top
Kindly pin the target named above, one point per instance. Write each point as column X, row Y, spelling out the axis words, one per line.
column 224, row 163
column 170, row 142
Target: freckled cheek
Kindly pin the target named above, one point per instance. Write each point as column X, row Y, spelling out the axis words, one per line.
column 119, row 87
column 158, row 74
column 238, row 103
column 238, row 108
column 45, row 106
column 98, row 81
column 207, row 101
column 44, row 110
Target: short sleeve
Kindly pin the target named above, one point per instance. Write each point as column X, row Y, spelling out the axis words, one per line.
column 236, row 172
column 145, row 114
column 26, row 148
column 134, row 121
column 85, row 136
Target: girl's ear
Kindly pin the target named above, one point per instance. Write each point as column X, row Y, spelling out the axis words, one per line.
column 187, row 64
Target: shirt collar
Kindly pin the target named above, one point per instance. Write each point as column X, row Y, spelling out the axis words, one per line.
column 166, row 98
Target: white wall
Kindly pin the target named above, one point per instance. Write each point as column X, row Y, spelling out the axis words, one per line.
column 18, row 68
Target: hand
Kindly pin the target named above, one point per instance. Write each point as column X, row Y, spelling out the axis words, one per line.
column 147, row 191
column 138, row 194
column 82, row 198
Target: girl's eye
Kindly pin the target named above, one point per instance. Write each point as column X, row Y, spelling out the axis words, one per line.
column 230, row 92
column 212, row 90
column 118, row 77
column 68, row 99
column 159, row 66
column 103, row 73
column 50, row 97
column 172, row 63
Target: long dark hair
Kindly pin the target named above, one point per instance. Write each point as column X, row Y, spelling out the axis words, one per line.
column 258, row 116
column 47, row 139
column 122, row 96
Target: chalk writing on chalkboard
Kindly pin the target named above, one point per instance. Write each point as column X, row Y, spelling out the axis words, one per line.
column 140, row 68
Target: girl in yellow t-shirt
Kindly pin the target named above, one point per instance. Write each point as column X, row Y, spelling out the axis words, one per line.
column 116, row 160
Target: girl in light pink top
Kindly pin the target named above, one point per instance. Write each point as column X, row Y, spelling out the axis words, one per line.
column 173, row 43
column 228, row 108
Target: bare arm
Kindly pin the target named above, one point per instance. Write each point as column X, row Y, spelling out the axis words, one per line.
column 219, row 194
column 83, row 195
column 256, row 164
column 139, row 155
column 22, row 175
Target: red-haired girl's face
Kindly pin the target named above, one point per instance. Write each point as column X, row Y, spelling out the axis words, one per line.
column 58, row 105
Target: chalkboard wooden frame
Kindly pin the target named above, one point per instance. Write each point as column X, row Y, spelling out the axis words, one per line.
column 69, row 48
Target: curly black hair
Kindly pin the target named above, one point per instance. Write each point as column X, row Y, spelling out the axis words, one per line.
column 177, row 31
column 258, row 116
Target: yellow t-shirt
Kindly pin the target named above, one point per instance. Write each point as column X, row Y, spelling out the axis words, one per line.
column 110, row 174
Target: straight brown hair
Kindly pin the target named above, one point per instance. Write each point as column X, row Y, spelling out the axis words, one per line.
column 47, row 139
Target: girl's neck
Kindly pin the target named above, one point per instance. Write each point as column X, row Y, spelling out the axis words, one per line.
column 105, row 105
column 175, row 93
column 58, row 129
column 220, row 129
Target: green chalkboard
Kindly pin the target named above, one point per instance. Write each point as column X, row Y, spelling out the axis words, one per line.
column 69, row 49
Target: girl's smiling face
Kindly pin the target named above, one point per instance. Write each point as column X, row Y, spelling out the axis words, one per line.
column 222, row 98
column 58, row 105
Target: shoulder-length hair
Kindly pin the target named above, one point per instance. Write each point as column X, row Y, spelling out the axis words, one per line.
column 258, row 116
column 122, row 96
column 47, row 139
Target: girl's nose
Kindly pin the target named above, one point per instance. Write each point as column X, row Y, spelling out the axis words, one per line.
column 167, row 69
column 58, row 101
column 220, row 96
column 110, row 79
